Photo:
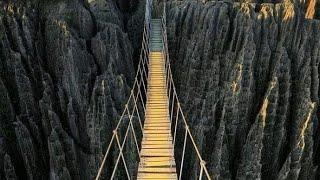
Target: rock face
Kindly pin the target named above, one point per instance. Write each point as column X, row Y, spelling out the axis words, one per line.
column 66, row 68
column 247, row 74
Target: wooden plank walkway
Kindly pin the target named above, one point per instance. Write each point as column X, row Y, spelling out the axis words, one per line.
column 157, row 155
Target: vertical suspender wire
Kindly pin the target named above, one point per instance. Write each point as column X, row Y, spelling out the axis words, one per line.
column 190, row 135
column 167, row 74
column 144, row 85
column 172, row 106
column 144, row 70
column 146, row 42
column 144, row 107
column 144, row 51
column 140, row 95
column 109, row 147
column 183, row 151
column 145, row 47
column 205, row 169
column 195, row 146
column 135, row 109
column 201, row 171
column 168, row 77
column 113, row 136
column 170, row 89
column 139, row 83
column 146, row 37
column 141, row 99
column 176, row 125
column 133, row 131
column 120, row 153
column 124, row 141
column 142, row 77
column 145, row 57
column 164, row 33
column 144, row 63
column 105, row 158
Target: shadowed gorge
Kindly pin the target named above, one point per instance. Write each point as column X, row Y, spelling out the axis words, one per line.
column 247, row 75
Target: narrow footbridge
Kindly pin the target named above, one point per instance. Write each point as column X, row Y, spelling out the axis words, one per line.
column 152, row 118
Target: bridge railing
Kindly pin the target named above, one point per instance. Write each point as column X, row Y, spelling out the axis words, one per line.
column 175, row 110
column 136, row 101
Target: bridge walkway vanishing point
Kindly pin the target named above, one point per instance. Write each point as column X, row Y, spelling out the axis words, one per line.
column 152, row 118
column 157, row 155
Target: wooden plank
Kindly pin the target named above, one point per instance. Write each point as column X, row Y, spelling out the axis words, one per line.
column 159, row 170
column 158, row 176
column 157, row 156
column 158, row 138
column 157, row 146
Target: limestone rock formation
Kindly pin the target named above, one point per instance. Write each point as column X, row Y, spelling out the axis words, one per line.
column 66, row 68
column 58, row 169
column 248, row 72
column 8, row 168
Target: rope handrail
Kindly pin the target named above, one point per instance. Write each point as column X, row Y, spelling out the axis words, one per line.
column 143, row 62
column 170, row 84
column 138, row 95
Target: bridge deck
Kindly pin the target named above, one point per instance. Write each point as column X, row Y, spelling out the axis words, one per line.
column 157, row 156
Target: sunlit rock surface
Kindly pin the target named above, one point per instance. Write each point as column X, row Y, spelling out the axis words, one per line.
column 247, row 75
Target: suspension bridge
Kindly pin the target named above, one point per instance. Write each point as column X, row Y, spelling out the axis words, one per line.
column 154, row 105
